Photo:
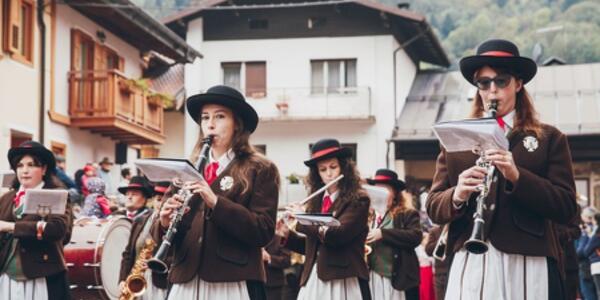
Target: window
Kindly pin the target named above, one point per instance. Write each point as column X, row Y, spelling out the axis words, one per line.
column 333, row 76
column 582, row 187
column 250, row 75
column 258, row 24
column 17, row 138
column 18, row 21
column 348, row 145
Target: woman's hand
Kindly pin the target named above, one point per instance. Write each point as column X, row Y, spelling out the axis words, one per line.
column 7, row 226
column 167, row 210
column 282, row 229
column 202, row 189
column 266, row 257
column 504, row 162
column 374, row 236
column 468, row 182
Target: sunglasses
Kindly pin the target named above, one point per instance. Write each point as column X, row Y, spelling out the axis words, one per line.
column 501, row 81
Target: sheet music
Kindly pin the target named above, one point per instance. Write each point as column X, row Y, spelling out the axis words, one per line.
column 40, row 201
column 167, row 169
column 7, row 178
column 378, row 196
column 464, row 135
column 317, row 219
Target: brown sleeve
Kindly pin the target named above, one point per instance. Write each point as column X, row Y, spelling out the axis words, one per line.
column 434, row 235
column 552, row 196
column 439, row 201
column 128, row 256
column 254, row 224
column 408, row 235
column 281, row 258
column 295, row 242
column 353, row 223
column 58, row 227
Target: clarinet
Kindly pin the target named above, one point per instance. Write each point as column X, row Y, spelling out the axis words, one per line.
column 476, row 243
column 157, row 263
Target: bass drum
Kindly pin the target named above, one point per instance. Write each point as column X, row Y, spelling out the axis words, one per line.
column 94, row 257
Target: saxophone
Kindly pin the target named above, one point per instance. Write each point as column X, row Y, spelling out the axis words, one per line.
column 135, row 284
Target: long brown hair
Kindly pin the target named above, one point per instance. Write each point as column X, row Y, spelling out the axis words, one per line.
column 526, row 117
column 349, row 187
column 248, row 158
column 400, row 203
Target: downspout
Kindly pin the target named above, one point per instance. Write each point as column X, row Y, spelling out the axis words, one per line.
column 42, row 27
column 401, row 47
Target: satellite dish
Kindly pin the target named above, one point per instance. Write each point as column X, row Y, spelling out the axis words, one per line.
column 538, row 51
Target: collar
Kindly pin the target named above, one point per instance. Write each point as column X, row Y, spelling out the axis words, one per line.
column 37, row 187
column 332, row 196
column 223, row 161
column 509, row 119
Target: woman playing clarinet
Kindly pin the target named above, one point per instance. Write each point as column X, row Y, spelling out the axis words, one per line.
column 231, row 217
column 335, row 266
column 531, row 188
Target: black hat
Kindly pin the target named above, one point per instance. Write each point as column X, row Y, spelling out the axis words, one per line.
column 327, row 148
column 161, row 187
column 226, row 96
column 387, row 176
column 35, row 149
column 500, row 54
column 138, row 183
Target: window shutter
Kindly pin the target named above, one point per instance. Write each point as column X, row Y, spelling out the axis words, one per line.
column 99, row 57
column 14, row 29
column 75, row 50
column 256, row 79
column 121, row 64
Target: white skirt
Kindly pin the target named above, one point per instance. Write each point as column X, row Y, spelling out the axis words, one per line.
column 497, row 275
column 381, row 288
column 199, row 289
column 32, row 289
column 338, row 289
column 152, row 292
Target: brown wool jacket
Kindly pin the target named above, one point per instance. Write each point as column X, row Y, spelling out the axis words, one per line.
column 341, row 254
column 39, row 258
column 224, row 244
column 130, row 255
column 520, row 215
column 280, row 259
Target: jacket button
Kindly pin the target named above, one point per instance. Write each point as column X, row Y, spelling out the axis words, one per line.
column 45, row 257
column 395, row 255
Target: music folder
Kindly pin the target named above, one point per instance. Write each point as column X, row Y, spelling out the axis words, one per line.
column 466, row 135
column 7, row 178
column 45, row 202
column 167, row 169
column 378, row 196
column 317, row 219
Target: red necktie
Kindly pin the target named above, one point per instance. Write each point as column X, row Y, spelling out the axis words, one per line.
column 326, row 204
column 130, row 215
column 501, row 123
column 18, row 197
column 210, row 173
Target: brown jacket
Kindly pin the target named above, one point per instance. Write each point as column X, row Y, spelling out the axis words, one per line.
column 404, row 237
column 280, row 259
column 342, row 251
column 39, row 258
column 518, row 218
column 130, row 255
column 224, row 244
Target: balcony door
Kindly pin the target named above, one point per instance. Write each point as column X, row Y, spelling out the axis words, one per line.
column 82, row 63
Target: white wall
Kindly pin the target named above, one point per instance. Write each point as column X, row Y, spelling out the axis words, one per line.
column 174, row 133
column 288, row 65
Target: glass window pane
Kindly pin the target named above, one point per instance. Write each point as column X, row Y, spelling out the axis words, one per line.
column 333, row 76
column 231, row 75
column 317, row 77
column 350, row 73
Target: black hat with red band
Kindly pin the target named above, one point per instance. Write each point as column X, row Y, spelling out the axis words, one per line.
column 327, row 148
column 387, row 176
column 161, row 187
column 498, row 53
column 138, row 183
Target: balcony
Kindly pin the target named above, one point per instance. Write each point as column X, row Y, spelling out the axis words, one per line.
column 306, row 104
column 110, row 104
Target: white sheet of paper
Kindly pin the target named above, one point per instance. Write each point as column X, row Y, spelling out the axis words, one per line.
column 464, row 135
column 164, row 169
column 317, row 219
column 7, row 178
column 49, row 201
column 378, row 196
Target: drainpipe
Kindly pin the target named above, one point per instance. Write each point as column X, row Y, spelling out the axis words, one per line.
column 401, row 47
column 42, row 26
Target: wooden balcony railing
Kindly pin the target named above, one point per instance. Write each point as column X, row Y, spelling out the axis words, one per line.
column 111, row 104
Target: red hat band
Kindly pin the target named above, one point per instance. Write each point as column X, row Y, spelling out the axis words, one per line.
column 324, row 152
column 497, row 54
column 381, row 177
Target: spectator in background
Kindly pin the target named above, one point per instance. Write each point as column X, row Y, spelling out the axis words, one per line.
column 96, row 204
column 440, row 267
column 125, row 177
column 588, row 229
column 276, row 258
column 104, row 173
column 89, row 171
column 61, row 174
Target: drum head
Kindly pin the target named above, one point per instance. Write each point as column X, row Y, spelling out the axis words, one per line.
column 115, row 241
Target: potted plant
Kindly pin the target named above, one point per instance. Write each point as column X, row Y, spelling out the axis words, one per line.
column 282, row 104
